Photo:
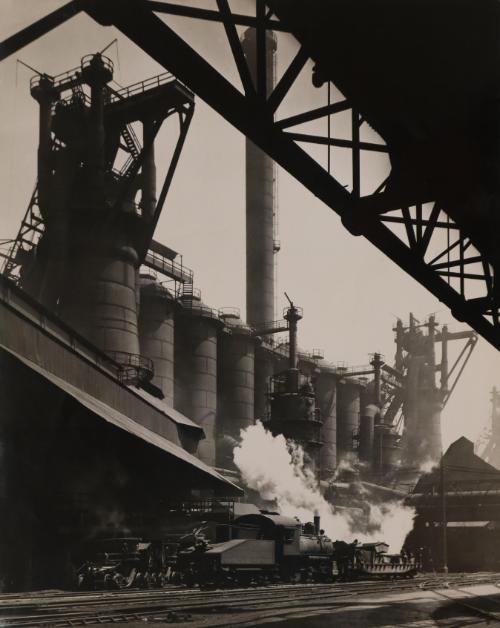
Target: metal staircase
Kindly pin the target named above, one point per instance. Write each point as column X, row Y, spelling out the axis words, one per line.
column 131, row 140
column 32, row 227
column 133, row 147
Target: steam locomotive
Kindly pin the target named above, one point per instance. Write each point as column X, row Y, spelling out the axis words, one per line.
column 261, row 548
column 264, row 548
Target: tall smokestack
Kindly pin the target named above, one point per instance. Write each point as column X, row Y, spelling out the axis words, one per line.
column 260, row 205
column 260, row 174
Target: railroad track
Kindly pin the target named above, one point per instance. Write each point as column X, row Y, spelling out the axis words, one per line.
column 177, row 604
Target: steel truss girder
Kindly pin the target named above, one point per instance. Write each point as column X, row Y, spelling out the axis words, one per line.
column 420, row 232
column 253, row 116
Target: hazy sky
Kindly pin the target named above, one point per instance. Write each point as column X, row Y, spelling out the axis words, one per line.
column 351, row 293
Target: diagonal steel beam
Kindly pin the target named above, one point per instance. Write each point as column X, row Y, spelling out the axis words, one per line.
column 408, row 223
column 236, row 49
column 40, row 27
column 314, row 114
column 429, row 230
column 286, row 81
column 332, row 141
column 185, row 118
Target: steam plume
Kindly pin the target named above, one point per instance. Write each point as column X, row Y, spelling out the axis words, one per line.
column 276, row 470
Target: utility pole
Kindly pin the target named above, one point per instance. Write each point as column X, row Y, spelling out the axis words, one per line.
column 444, row 524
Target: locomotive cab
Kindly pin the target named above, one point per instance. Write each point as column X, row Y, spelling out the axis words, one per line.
column 284, row 531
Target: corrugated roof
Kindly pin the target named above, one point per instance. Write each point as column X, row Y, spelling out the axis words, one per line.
column 125, row 423
column 167, row 410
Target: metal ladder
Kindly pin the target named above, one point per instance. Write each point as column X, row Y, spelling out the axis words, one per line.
column 32, row 227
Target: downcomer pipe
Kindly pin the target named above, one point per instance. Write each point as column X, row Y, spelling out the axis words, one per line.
column 366, row 433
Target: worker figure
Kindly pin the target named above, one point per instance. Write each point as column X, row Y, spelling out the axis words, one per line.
column 342, row 551
column 352, row 552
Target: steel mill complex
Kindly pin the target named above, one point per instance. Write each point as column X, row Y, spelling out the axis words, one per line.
column 124, row 393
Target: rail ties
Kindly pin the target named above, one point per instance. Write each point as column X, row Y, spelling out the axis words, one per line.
column 79, row 609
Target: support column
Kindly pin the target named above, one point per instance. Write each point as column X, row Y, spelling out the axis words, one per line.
column 148, row 200
column 51, row 273
column 444, row 360
column 43, row 91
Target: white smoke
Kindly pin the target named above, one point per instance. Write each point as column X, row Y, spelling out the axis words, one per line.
column 427, row 465
column 349, row 464
column 276, row 470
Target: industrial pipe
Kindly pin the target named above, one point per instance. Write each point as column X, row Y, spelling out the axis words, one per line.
column 148, row 200
column 444, row 359
column 366, row 433
column 293, row 316
column 377, row 364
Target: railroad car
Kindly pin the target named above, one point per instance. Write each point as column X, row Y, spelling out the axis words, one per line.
column 120, row 563
column 372, row 560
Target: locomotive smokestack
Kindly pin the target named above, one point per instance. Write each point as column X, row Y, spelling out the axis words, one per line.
column 317, row 521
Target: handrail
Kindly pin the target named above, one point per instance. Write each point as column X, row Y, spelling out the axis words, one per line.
column 141, row 86
column 271, row 327
column 36, row 80
column 71, row 100
column 298, row 310
column 63, row 76
column 132, row 367
column 106, row 61
column 233, row 312
column 199, row 308
column 168, row 267
column 131, row 359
